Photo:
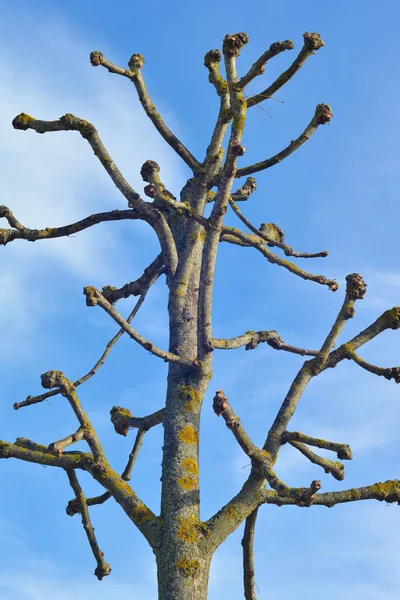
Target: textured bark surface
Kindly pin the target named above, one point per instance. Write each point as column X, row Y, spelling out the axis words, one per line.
column 189, row 242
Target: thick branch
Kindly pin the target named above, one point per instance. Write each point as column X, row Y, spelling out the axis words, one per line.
column 102, row 568
column 251, row 339
column 323, row 114
column 248, row 556
column 312, row 43
column 94, row 297
column 21, row 232
column 136, row 63
column 231, row 49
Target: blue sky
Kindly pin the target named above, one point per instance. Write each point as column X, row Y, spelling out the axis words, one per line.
column 339, row 192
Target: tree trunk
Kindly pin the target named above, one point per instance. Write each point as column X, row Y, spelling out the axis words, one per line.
column 182, row 578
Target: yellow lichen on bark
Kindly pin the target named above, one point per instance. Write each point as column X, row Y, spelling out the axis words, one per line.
column 188, row 482
column 190, row 465
column 189, row 435
column 190, row 568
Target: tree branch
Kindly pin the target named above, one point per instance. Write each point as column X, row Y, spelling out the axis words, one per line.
column 21, row 232
column 388, row 491
column 387, row 373
column 134, row 73
column 336, row 469
column 390, row 319
column 212, row 61
column 73, row 507
column 355, row 290
column 144, row 210
column 312, row 43
column 273, row 236
column 231, row 48
column 53, row 379
column 323, row 114
column 343, row 451
column 102, row 568
column 94, row 297
column 36, row 399
column 123, row 420
column 251, row 339
column 137, row 287
column 39, row 454
column 223, row 409
column 237, row 237
column 248, row 556
column 258, row 68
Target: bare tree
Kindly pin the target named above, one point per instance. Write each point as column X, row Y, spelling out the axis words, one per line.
column 189, row 243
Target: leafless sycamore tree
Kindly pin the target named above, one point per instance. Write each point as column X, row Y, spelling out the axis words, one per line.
column 189, row 241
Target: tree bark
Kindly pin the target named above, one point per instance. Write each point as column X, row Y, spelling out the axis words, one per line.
column 189, row 582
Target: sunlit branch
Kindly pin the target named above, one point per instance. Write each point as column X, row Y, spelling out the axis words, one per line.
column 312, row 43
column 102, row 568
column 248, row 556
column 137, row 287
column 335, row 468
column 387, row 373
column 355, row 290
column 123, row 420
column 273, row 240
column 94, row 298
column 57, row 379
column 144, row 210
column 136, row 63
column 212, row 61
column 388, row 491
column 390, row 319
column 323, row 114
column 343, row 451
column 21, row 232
column 36, row 399
column 59, row 446
column 223, row 409
column 258, row 68
column 39, row 454
column 73, row 507
column 231, row 48
column 235, row 236
column 251, row 339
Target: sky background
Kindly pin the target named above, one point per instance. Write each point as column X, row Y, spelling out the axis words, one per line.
column 338, row 192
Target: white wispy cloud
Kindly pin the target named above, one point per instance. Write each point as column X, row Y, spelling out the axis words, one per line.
column 55, row 179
